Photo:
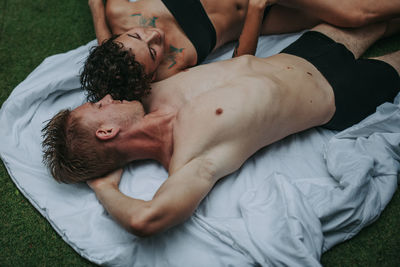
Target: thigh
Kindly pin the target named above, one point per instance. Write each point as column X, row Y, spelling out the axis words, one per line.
column 281, row 19
column 348, row 13
column 361, row 87
column 392, row 59
column 356, row 40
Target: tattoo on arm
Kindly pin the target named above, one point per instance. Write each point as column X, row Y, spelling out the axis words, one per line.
column 173, row 52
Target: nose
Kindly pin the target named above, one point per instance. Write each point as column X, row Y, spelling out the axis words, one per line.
column 153, row 37
column 106, row 99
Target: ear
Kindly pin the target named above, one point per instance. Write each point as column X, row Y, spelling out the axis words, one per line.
column 106, row 133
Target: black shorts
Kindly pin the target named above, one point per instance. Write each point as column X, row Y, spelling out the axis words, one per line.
column 196, row 24
column 359, row 86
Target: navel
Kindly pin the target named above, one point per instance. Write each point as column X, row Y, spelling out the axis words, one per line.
column 309, row 73
column 219, row 111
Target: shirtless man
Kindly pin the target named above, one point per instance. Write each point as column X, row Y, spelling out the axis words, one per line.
column 160, row 38
column 150, row 40
column 203, row 124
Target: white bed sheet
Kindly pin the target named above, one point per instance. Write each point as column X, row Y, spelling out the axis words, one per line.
column 288, row 203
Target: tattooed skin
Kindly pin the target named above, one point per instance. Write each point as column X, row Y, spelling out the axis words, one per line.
column 145, row 22
column 173, row 52
column 151, row 22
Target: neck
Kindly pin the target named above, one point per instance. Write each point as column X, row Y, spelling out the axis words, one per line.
column 152, row 138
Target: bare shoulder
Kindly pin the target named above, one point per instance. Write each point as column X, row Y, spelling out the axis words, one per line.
column 217, row 133
column 119, row 8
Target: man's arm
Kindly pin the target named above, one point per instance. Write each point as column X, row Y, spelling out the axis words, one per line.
column 173, row 203
column 99, row 20
column 247, row 43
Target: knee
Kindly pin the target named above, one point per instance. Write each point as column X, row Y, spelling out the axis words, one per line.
column 354, row 17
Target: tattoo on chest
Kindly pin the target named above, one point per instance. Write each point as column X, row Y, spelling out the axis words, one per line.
column 173, row 53
column 145, row 21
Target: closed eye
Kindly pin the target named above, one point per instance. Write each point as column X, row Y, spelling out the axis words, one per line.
column 153, row 53
column 136, row 36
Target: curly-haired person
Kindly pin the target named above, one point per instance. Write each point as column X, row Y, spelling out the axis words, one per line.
column 190, row 126
column 110, row 69
column 155, row 39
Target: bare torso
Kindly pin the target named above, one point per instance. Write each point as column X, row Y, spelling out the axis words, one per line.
column 226, row 111
column 227, row 17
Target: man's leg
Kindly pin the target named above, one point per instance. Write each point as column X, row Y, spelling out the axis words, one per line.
column 356, row 40
column 347, row 13
column 281, row 19
column 360, row 39
column 392, row 59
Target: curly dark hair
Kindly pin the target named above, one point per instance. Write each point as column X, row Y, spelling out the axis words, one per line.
column 110, row 69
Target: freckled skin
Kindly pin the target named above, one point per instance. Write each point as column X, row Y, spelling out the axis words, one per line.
column 219, row 111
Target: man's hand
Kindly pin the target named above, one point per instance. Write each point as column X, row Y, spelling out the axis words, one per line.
column 261, row 4
column 111, row 180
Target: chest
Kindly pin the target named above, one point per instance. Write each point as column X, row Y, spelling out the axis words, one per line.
column 218, row 126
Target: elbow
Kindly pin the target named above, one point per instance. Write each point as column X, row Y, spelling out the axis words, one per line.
column 143, row 225
column 140, row 228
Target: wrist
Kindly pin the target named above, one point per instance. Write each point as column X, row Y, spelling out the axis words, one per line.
column 100, row 186
column 256, row 8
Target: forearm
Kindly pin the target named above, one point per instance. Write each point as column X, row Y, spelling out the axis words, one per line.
column 144, row 218
column 247, row 43
column 125, row 210
column 99, row 20
column 173, row 203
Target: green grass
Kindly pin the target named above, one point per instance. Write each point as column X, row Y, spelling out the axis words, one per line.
column 33, row 30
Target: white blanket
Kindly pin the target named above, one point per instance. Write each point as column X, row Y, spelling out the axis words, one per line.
column 287, row 204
